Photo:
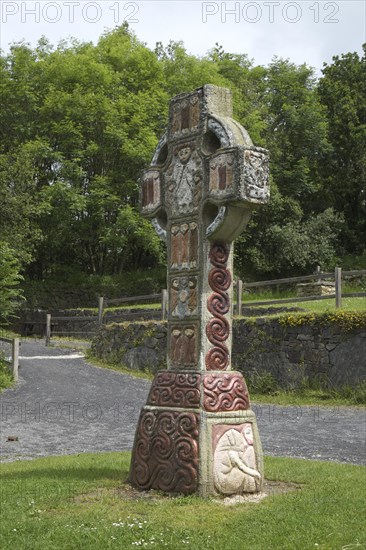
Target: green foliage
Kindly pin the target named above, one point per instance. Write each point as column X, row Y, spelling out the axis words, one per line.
column 347, row 321
column 342, row 90
column 294, row 247
column 184, row 72
column 92, row 124
column 10, row 293
column 71, row 289
column 79, row 122
column 6, row 379
column 263, row 383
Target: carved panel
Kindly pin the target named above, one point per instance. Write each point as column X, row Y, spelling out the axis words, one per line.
column 150, row 190
column 183, row 296
column 221, row 173
column 235, row 468
column 165, row 454
column 183, row 180
column 225, row 392
column 170, row 389
column 256, row 175
column 186, row 115
column 184, row 246
column 183, row 345
column 218, row 304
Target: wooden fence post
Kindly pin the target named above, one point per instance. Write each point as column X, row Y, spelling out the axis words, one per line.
column 239, row 294
column 100, row 309
column 318, row 272
column 338, row 286
column 164, row 304
column 48, row 329
column 15, row 358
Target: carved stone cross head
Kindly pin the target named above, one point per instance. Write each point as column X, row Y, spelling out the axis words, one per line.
column 205, row 168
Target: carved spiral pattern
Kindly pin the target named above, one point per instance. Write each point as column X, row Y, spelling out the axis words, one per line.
column 171, row 389
column 218, row 304
column 219, row 254
column 219, row 278
column 165, row 454
column 225, row 392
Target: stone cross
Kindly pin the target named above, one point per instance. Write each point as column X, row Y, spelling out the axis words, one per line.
column 197, row 432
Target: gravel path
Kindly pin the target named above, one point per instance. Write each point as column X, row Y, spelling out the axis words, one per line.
column 63, row 405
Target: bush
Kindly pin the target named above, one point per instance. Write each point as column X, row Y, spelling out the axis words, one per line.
column 10, row 293
column 6, row 379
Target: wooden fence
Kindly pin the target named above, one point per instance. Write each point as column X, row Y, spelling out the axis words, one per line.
column 14, row 362
column 318, row 276
column 239, row 286
column 100, row 318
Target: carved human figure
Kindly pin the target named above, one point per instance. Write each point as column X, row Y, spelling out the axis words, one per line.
column 184, row 246
column 234, row 462
column 185, row 177
column 183, row 346
column 184, row 296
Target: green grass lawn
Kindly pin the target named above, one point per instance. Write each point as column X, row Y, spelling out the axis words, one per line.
column 316, row 306
column 323, row 306
column 82, row 502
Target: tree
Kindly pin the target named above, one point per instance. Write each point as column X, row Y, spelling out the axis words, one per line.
column 10, row 293
column 296, row 134
column 91, row 120
column 183, row 72
column 342, row 91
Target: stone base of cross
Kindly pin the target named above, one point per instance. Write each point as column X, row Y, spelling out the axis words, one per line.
column 197, row 432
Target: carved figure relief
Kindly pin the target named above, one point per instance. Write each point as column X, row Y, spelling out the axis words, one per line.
column 183, row 298
column 225, row 392
column 221, row 173
column 170, row 389
column 150, row 189
column 218, row 304
column 184, row 180
column 186, row 114
column 183, row 346
column 165, row 454
column 256, row 170
column 184, row 246
column 235, row 468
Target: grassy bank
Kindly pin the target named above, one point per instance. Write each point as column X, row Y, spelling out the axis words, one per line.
column 82, row 502
column 6, row 379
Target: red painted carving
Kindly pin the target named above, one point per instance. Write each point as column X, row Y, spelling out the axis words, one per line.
column 165, row 454
column 225, row 392
column 219, row 254
column 186, row 115
column 218, row 304
column 183, row 349
column 222, row 177
column 184, row 246
column 170, row 389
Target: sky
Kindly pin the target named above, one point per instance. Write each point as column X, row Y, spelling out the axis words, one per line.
column 306, row 31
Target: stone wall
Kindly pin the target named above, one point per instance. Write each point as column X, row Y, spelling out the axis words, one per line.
column 310, row 354
column 319, row 356
column 138, row 346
